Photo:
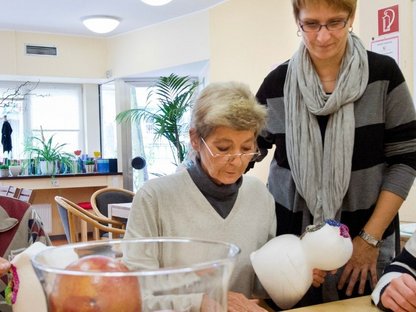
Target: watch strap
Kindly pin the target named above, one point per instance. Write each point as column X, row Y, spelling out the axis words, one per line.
column 369, row 239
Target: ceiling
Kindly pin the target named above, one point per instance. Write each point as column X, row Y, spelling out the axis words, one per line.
column 64, row 16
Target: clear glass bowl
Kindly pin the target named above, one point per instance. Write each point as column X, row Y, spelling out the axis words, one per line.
column 155, row 274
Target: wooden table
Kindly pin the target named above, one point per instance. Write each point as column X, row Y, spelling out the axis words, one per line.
column 121, row 210
column 359, row 304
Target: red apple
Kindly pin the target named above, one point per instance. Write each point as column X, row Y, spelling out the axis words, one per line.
column 83, row 293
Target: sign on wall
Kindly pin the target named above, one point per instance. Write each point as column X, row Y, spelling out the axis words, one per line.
column 388, row 20
column 387, row 46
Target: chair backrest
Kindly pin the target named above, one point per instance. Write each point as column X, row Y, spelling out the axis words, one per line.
column 101, row 198
column 24, row 194
column 69, row 212
column 27, row 228
column 8, row 190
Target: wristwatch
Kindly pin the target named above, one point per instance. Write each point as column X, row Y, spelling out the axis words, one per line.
column 369, row 239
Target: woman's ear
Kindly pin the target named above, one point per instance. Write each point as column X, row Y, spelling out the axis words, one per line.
column 195, row 141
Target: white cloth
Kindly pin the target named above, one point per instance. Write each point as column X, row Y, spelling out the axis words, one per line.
column 30, row 295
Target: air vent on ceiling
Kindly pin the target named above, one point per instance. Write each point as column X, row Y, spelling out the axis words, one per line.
column 41, row 50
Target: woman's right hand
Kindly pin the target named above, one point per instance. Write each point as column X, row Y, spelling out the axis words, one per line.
column 400, row 294
column 4, row 266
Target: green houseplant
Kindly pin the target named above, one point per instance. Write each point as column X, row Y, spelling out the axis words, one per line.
column 89, row 166
column 48, row 153
column 174, row 95
column 4, row 170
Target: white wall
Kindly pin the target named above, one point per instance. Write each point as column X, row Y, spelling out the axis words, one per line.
column 78, row 57
column 369, row 31
column 173, row 43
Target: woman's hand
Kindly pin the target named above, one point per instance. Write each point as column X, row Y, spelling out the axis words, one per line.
column 319, row 276
column 4, row 266
column 363, row 260
column 400, row 294
column 239, row 303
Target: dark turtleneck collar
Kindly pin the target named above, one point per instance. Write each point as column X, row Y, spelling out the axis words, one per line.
column 221, row 197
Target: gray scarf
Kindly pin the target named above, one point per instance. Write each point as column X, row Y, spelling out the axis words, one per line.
column 322, row 174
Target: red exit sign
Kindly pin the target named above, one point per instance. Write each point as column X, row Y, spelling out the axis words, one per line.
column 388, row 20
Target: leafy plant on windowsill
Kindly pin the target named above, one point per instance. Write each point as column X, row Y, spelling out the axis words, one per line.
column 48, row 150
column 174, row 95
column 4, row 167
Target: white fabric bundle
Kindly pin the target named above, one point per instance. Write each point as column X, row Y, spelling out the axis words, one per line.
column 285, row 264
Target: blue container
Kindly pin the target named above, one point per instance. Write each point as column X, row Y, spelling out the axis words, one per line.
column 103, row 166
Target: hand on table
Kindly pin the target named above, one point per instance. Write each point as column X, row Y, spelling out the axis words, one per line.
column 400, row 294
column 363, row 260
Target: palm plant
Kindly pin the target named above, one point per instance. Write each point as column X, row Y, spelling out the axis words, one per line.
column 174, row 95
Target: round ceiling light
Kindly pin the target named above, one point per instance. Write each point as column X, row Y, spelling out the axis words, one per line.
column 101, row 24
column 156, row 2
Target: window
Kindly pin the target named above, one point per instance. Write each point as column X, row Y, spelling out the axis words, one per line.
column 107, row 121
column 156, row 152
column 56, row 108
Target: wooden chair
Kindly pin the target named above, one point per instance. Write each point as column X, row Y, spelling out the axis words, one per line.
column 71, row 212
column 8, row 190
column 101, row 198
column 24, row 194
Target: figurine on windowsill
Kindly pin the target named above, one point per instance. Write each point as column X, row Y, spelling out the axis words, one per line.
column 284, row 265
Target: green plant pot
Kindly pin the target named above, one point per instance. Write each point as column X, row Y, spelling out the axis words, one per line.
column 4, row 173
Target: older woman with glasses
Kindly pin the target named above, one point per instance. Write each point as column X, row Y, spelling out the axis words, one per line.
column 343, row 124
column 212, row 199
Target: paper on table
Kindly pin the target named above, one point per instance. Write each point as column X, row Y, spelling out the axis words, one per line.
column 407, row 228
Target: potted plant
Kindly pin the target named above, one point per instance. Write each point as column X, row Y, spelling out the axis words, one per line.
column 4, row 170
column 15, row 168
column 48, row 153
column 89, row 166
column 174, row 95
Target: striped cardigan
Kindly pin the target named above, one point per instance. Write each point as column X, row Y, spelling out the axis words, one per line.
column 384, row 156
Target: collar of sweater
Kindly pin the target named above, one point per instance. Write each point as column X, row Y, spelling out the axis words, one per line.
column 209, row 188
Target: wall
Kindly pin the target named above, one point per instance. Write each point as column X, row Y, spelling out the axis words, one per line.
column 175, row 42
column 248, row 45
column 369, row 31
column 78, row 57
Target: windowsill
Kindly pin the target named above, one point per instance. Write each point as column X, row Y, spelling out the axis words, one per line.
column 66, row 175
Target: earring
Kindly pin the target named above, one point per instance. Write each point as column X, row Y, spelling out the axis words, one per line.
column 350, row 29
column 298, row 33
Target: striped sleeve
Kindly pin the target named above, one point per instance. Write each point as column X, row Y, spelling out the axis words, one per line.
column 405, row 262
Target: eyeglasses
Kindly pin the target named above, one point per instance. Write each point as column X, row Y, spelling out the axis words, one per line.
column 225, row 158
column 316, row 27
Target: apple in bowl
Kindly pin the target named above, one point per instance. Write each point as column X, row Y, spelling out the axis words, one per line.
column 95, row 292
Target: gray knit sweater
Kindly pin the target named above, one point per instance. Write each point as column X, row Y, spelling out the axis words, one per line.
column 173, row 206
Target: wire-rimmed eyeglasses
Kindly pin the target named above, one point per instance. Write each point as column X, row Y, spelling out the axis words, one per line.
column 316, row 27
column 250, row 156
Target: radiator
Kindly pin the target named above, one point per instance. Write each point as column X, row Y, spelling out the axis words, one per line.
column 45, row 213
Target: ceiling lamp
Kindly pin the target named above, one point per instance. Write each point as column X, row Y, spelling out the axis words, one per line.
column 156, row 2
column 101, row 24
